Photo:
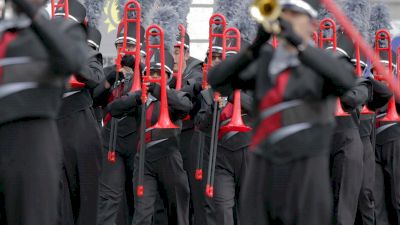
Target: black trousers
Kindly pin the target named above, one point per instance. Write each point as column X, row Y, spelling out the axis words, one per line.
column 230, row 172
column 30, row 169
column 81, row 143
column 116, row 188
column 388, row 183
column 346, row 174
column 366, row 201
column 166, row 178
column 191, row 141
column 294, row 193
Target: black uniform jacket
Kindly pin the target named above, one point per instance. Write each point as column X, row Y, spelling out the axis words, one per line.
column 295, row 108
column 159, row 142
column 91, row 75
column 387, row 131
column 39, row 57
column 105, row 98
column 378, row 98
column 352, row 102
column 191, row 80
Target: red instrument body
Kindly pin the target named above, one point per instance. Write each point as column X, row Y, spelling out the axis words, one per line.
column 236, row 123
column 178, row 75
column 353, row 33
column 329, row 24
column 133, row 7
column 215, row 20
column 164, row 121
column 111, row 156
column 384, row 36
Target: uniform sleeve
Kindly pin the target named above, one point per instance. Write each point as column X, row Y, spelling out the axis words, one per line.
column 225, row 76
column 65, row 41
column 246, row 101
column 380, row 95
column 124, row 104
column 179, row 104
column 358, row 95
column 192, row 87
column 339, row 74
column 92, row 73
column 203, row 119
column 101, row 93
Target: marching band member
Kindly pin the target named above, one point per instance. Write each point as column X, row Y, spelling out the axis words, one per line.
column 368, row 201
column 232, row 148
column 162, row 175
column 116, row 177
column 191, row 84
column 31, row 86
column 80, row 135
column 346, row 148
column 294, row 86
column 387, row 133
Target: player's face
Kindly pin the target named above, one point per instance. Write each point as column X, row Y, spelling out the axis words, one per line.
column 302, row 24
column 129, row 47
column 155, row 73
column 216, row 58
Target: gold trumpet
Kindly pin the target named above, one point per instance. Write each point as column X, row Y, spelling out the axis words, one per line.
column 267, row 12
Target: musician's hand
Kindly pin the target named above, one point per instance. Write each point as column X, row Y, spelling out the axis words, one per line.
column 107, row 85
column 172, row 82
column 111, row 77
column 126, row 71
column 155, row 90
column 28, row 8
column 197, row 88
column 222, row 101
column 289, row 34
column 262, row 36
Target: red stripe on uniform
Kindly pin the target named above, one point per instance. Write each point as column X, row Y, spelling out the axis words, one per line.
column 271, row 98
column 149, row 116
column 227, row 112
column 5, row 41
column 112, row 97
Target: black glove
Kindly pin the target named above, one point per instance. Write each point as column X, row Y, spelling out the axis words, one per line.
column 28, row 8
column 231, row 97
column 123, row 105
column 128, row 61
column 261, row 38
column 197, row 88
column 172, row 82
column 289, row 34
column 208, row 96
column 155, row 90
column 111, row 77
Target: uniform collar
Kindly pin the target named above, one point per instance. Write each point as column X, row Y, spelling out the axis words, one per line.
column 282, row 60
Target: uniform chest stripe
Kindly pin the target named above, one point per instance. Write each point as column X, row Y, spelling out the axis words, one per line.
column 271, row 98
